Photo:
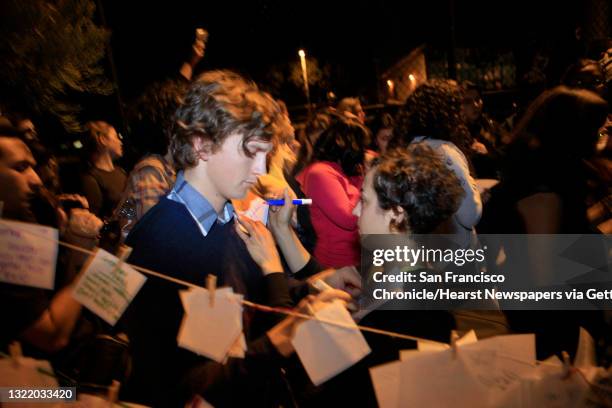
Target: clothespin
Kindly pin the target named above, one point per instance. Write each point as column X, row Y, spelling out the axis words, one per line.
column 211, row 285
column 1, row 208
column 113, row 393
column 454, row 338
column 15, row 352
column 567, row 365
column 123, row 253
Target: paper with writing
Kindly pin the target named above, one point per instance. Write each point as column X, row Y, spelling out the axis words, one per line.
column 28, row 254
column 105, row 289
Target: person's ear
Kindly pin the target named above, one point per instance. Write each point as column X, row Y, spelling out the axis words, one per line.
column 203, row 148
column 396, row 218
column 101, row 138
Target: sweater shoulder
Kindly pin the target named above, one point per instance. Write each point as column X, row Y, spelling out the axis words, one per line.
column 166, row 217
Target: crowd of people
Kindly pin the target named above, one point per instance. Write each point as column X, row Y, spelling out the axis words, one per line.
column 214, row 147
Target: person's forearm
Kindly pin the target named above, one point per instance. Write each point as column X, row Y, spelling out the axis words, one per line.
column 64, row 312
column 51, row 332
column 294, row 252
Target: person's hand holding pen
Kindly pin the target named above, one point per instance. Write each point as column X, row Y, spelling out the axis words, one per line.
column 280, row 216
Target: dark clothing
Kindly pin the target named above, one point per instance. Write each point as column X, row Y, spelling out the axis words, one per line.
column 527, row 173
column 168, row 240
column 353, row 387
column 304, row 230
column 20, row 307
column 103, row 189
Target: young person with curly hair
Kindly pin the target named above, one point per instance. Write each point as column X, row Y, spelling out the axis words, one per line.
column 432, row 114
column 221, row 137
column 407, row 191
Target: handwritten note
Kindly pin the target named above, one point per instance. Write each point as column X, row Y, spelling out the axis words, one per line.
column 105, row 289
column 28, row 254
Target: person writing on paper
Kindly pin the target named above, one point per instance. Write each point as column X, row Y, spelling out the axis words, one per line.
column 28, row 314
column 406, row 191
column 221, row 137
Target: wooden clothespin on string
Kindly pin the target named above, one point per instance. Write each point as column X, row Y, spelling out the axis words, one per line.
column 113, row 393
column 211, row 286
column 15, row 352
column 567, row 365
column 454, row 338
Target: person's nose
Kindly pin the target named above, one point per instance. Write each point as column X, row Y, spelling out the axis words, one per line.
column 259, row 165
column 34, row 180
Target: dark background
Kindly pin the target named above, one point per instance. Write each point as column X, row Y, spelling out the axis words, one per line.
column 357, row 38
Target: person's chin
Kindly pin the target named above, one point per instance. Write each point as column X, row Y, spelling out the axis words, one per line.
column 241, row 192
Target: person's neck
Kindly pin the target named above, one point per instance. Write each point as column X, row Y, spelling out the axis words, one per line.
column 104, row 162
column 197, row 178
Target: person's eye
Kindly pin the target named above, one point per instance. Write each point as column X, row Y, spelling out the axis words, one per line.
column 21, row 167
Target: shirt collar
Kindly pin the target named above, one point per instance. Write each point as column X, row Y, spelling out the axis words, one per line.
column 200, row 209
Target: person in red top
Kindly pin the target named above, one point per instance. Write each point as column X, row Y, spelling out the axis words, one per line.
column 333, row 180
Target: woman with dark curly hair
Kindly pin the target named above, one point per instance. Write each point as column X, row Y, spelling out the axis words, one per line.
column 406, row 191
column 333, row 180
column 432, row 115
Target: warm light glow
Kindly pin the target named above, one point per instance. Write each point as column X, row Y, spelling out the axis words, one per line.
column 411, row 77
column 301, row 53
column 389, row 83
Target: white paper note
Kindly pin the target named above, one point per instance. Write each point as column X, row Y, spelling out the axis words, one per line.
column 437, row 379
column 27, row 373
column 28, row 254
column 210, row 331
column 326, row 350
column 386, row 382
column 105, row 289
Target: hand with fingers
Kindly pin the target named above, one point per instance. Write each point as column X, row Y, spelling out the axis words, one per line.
column 346, row 279
column 280, row 216
column 260, row 244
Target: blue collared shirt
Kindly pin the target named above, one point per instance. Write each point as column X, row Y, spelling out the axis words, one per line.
column 200, row 209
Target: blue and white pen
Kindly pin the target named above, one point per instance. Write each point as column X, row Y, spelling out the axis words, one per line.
column 297, row 201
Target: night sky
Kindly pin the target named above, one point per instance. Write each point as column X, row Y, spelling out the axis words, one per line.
column 150, row 39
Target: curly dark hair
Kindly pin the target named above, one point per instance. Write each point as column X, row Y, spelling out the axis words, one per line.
column 151, row 116
column 216, row 105
column 343, row 142
column 416, row 179
column 433, row 110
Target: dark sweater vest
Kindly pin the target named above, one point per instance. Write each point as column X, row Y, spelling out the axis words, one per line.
column 168, row 240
